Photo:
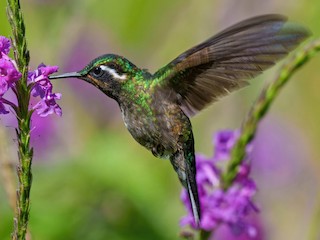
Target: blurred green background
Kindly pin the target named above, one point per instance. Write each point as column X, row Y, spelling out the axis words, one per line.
column 93, row 181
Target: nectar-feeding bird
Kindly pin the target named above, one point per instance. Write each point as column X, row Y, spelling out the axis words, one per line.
column 156, row 107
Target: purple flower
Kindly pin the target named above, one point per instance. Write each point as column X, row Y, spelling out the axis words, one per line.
column 43, row 88
column 39, row 77
column 8, row 75
column 40, row 86
column 223, row 143
column 219, row 207
column 254, row 228
column 48, row 105
column 4, row 46
column 8, row 71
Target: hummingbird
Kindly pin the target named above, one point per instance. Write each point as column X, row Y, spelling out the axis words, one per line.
column 156, row 108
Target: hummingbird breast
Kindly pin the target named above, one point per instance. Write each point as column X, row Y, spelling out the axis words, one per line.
column 161, row 126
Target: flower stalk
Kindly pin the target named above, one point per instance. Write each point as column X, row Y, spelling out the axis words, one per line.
column 262, row 105
column 14, row 75
column 25, row 152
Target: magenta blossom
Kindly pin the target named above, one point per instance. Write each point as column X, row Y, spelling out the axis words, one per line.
column 223, row 143
column 8, row 75
column 4, row 46
column 43, row 88
column 255, row 229
column 222, row 207
column 38, row 79
column 8, row 70
column 48, row 105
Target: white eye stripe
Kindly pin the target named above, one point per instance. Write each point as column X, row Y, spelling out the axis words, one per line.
column 113, row 72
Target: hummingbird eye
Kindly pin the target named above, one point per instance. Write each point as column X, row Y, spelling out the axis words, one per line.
column 97, row 72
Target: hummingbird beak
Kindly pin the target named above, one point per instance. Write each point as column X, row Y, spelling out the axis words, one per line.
column 66, row 75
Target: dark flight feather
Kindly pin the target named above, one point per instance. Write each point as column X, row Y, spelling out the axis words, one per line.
column 227, row 60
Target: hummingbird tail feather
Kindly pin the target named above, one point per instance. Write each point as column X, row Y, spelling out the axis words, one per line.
column 184, row 165
column 194, row 198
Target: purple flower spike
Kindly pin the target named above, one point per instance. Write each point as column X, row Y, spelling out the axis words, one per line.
column 8, row 75
column 4, row 46
column 229, row 207
column 38, row 80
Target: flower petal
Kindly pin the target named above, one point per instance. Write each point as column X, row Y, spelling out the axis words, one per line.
column 4, row 45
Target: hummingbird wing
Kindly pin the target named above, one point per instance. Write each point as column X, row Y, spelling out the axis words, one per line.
column 227, row 60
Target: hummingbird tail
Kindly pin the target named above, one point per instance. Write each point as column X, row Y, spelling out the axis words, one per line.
column 193, row 196
column 184, row 165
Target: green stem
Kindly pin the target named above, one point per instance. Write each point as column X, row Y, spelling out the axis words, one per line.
column 261, row 106
column 204, row 235
column 25, row 153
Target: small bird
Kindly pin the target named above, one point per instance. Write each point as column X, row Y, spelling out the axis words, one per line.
column 156, row 107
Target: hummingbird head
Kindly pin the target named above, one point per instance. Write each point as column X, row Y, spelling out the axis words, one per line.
column 108, row 73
